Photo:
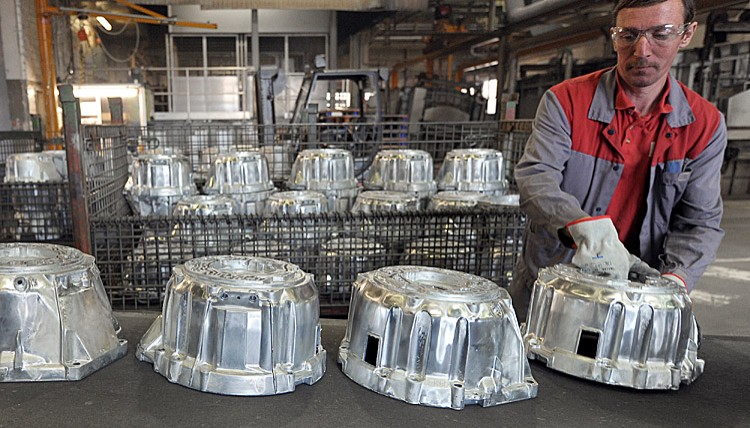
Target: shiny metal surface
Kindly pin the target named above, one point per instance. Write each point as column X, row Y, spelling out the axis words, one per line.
column 473, row 170
column 239, row 172
column 31, row 168
column 206, row 205
column 323, row 169
column 452, row 199
column 435, row 337
column 409, row 171
column 618, row 332
column 383, row 229
column 59, row 158
column 57, row 323
column 237, row 325
column 328, row 171
column 296, row 202
column 509, row 200
column 440, row 252
column 244, row 176
column 293, row 203
column 157, row 181
column 384, row 201
column 458, row 228
column 197, row 233
column 346, row 257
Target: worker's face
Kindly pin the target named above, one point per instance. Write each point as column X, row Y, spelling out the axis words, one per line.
column 644, row 58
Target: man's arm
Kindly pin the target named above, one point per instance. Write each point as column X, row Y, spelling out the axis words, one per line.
column 695, row 230
column 539, row 172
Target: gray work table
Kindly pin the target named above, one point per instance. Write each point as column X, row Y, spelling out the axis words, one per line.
column 129, row 393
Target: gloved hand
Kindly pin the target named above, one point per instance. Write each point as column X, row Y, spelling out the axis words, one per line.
column 639, row 270
column 675, row 278
column 599, row 249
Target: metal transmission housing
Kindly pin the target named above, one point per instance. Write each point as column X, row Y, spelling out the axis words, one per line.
column 408, row 171
column 435, row 337
column 618, row 332
column 243, row 176
column 32, row 168
column 473, row 170
column 157, row 181
column 328, row 171
column 239, row 326
column 57, row 323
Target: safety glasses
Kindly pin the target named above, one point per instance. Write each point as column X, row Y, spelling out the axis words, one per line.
column 661, row 35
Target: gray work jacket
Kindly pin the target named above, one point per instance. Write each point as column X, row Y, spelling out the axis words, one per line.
column 571, row 166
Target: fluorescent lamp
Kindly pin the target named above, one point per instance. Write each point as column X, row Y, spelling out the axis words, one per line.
column 104, row 23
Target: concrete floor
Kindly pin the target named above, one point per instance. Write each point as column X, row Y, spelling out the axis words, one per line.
column 130, row 393
column 722, row 297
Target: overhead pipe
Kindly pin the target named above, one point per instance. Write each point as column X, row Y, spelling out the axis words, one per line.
column 518, row 11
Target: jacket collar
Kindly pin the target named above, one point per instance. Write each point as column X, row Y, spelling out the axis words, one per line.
column 603, row 104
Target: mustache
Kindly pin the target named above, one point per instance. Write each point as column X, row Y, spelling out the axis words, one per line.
column 640, row 62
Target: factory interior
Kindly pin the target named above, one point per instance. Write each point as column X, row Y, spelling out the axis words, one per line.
column 314, row 213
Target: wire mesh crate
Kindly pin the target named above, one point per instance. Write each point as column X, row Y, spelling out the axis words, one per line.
column 12, row 142
column 136, row 254
column 31, row 212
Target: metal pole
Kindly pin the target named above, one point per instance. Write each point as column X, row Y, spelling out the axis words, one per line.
column 76, row 174
column 47, row 62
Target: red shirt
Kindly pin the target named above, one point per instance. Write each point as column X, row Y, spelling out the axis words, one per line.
column 628, row 205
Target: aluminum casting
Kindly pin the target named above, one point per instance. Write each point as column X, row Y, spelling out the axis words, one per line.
column 157, row 181
column 618, row 332
column 328, row 171
column 435, row 337
column 473, row 170
column 237, row 325
column 57, row 323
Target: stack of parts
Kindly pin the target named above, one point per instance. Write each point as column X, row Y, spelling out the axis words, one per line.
column 328, row 171
column 243, row 176
column 618, row 332
column 238, row 326
column 204, row 234
column 295, row 233
column 346, row 257
column 57, row 323
column 435, row 337
column 389, row 231
column 460, row 227
column 473, row 170
column 157, row 181
column 408, row 171
column 39, row 196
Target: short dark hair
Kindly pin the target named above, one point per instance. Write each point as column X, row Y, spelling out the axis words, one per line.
column 688, row 5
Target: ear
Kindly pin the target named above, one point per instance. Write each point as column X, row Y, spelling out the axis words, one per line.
column 688, row 35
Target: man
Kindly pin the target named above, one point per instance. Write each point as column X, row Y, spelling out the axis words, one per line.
column 624, row 163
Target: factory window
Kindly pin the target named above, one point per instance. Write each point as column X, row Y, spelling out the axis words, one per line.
column 187, row 51
column 221, row 51
column 272, row 52
column 302, row 51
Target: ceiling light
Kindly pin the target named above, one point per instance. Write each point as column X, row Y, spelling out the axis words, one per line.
column 104, row 23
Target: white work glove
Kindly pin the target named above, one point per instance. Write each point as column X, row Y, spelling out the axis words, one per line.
column 675, row 278
column 599, row 250
column 639, row 270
